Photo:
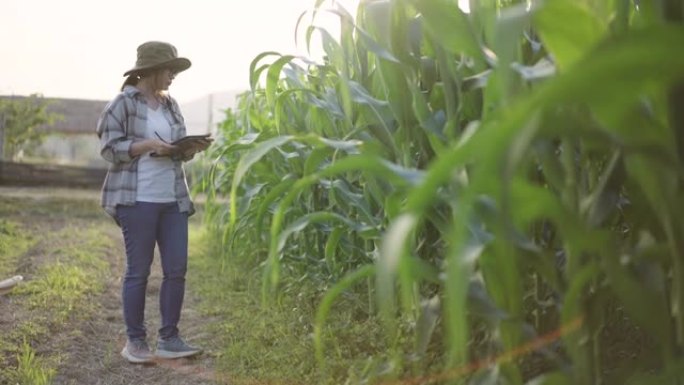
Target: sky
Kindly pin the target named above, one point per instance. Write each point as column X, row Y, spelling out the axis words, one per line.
column 81, row 48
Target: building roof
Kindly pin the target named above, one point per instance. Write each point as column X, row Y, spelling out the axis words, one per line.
column 77, row 116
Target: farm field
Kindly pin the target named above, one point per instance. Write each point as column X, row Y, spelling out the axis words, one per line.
column 63, row 324
column 476, row 195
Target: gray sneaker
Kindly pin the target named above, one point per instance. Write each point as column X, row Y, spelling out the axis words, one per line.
column 137, row 352
column 175, row 347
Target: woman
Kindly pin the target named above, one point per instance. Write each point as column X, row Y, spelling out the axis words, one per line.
column 145, row 191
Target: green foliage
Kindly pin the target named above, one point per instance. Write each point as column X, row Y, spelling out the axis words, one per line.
column 31, row 370
column 20, row 119
column 273, row 344
column 13, row 243
column 509, row 174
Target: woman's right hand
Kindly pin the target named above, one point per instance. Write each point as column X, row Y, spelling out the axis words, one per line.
column 160, row 148
column 155, row 147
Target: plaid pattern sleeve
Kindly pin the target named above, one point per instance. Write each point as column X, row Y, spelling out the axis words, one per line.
column 112, row 129
column 122, row 122
column 116, row 129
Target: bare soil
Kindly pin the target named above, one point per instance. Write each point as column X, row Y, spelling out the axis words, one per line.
column 88, row 347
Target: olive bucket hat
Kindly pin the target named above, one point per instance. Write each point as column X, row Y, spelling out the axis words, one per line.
column 158, row 54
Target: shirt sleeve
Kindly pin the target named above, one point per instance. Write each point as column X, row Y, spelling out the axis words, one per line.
column 111, row 129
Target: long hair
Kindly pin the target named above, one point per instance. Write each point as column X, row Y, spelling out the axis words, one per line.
column 134, row 78
column 131, row 80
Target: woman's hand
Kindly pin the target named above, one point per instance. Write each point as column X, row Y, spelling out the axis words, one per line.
column 161, row 148
column 204, row 143
column 155, row 147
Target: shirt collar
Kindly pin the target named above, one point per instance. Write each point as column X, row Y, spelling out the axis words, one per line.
column 133, row 91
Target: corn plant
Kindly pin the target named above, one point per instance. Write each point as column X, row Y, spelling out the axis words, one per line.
column 493, row 177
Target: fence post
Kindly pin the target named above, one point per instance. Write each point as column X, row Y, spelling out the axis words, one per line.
column 2, row 135
column 2, row 145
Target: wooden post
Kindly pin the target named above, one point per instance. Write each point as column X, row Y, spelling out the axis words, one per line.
column 3, row 121
column 2, row 135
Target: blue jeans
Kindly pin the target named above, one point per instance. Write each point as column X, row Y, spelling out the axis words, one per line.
column 144, row 225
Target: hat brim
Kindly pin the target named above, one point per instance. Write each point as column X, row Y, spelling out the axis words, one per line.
column 178, row 64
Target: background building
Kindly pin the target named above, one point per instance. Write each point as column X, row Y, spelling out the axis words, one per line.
column 71, row 139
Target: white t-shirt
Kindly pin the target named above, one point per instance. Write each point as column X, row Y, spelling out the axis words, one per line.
column 156, row 176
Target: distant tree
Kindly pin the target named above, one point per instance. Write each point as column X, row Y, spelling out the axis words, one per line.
column 20, row 119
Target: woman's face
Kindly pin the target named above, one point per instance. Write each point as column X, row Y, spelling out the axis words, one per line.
column 164, row 78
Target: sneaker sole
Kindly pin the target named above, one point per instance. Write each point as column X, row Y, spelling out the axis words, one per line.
column 169, row 355
column 135, row 360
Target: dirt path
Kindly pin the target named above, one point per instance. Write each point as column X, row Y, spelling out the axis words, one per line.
column 94, row 355
column 89, row 349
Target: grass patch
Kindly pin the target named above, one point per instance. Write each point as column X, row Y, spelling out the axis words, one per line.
column 59, row 291
column 32, row 369
column 75, row 271
column 50, row 208
column 61, row 252
column 273, row 343
column 13, row 244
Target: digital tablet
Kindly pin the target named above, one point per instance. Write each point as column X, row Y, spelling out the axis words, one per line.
column 189, row 145
column 190, row 138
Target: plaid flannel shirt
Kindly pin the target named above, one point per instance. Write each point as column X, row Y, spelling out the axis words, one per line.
column 123, row 122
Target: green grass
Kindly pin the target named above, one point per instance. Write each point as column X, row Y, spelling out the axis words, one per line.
column 13, row 243
column 75, row 206
column 32, row 369
column 62, row 260
column 272, row 343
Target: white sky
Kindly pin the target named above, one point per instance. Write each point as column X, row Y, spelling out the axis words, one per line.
column 81, row 48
